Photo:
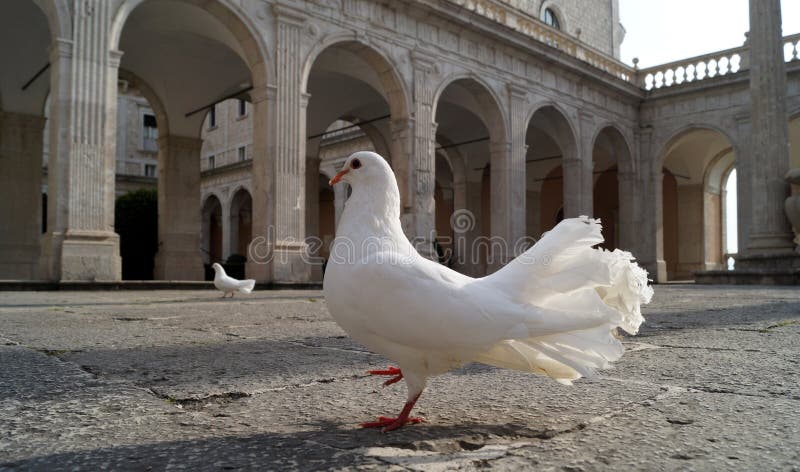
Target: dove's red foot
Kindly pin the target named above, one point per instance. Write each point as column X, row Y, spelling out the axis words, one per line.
column 390, row 424
column 397, row 373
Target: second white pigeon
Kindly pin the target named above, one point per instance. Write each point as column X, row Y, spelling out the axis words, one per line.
column 229, row 285
column 551, row 311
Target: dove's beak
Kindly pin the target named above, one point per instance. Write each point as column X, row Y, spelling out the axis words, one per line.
column 338, row 177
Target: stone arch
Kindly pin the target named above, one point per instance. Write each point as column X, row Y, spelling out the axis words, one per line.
column 253, row 49
column 392, row 86
column 622, row 141
column 571, row 143
column 690, row 207
column 152, row 98
column 28, row 33
column 59, row 17
column 240, row 220
column 491, row 104
column 182, row 81
column 211, row 239
column 672, row 137
column 551, row 180
column 468, row 113
column 612, row 186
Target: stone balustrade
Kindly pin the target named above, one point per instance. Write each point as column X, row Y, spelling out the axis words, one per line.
column 695, row 68
column 728, row 61
column 791, row 47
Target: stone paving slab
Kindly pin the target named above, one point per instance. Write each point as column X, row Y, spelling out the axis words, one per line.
column 169, row 380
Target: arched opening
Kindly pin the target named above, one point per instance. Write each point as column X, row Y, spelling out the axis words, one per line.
column 610, row 157
column 696, row 164
column 444, row 198
column 25, row 40
column 207, row 54
column 241, row 224
column 354, row 96
column 211, row 240
column 470, row 128
column 794, row 160
column 551, row 143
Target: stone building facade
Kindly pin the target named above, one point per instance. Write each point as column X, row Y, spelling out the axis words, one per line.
column 517, row 113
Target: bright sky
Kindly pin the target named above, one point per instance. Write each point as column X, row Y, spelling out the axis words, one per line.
column 661, row 31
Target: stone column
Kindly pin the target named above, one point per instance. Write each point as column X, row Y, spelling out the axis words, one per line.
column 627, row 236
column 770, row 231
column 179, row 213
column 21, row 179
column 416, row 139
column 506, row 201
column 289, row 262
column 586, row 157
column 312, row 214
column 81, row 243
column 230, row 228
column 260, row 251
column 649, row 208
column 516, row 177
column 573, row 183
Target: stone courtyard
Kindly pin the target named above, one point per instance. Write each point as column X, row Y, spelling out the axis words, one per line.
column 155, row 380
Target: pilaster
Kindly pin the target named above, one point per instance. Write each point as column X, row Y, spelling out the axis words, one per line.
column 261, row 249
column 516, row 225
column 290, row 262
column 418, row 212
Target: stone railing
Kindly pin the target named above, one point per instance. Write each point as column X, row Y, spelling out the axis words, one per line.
column 791, row 48
column 729, row 61
column 694, row 68
column 507, row 14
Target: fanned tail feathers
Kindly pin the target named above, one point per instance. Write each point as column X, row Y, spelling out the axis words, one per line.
column 564, row 272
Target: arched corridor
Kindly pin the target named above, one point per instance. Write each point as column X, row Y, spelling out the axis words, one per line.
column 695, row 164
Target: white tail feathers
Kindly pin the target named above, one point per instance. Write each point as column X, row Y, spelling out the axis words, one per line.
column 564, row 272
column 246, row 286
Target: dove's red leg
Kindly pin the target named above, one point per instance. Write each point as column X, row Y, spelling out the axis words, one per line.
column 390, row 424
column 397, row 373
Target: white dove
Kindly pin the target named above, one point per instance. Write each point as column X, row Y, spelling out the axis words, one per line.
column 552, row 311
column 230, row 285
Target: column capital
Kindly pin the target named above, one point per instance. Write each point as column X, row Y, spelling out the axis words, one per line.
column 288, row 15
column 517, row 92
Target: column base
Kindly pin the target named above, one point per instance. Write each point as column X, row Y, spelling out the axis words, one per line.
column 778, row 268
column 178, row 265
column 81, row 256
column 19, row 261
column 290, row 263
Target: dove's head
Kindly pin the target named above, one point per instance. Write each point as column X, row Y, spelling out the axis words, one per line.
column 216, row 267
column 365, row 168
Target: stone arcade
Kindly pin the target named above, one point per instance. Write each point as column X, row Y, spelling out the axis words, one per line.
column 478, row 105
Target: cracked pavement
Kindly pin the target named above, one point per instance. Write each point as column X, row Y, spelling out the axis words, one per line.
column 177, row 380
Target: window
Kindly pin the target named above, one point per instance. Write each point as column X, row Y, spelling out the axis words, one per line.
column 551, row 19
column 212, row 117
column 211, row 160
column 242, row 108
column 242, row 153
column 149, row 170
column 149, row 133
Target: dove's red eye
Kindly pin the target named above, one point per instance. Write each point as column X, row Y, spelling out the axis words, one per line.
column 355, row 164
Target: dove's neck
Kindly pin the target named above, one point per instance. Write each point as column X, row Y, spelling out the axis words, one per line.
column 372, row 211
